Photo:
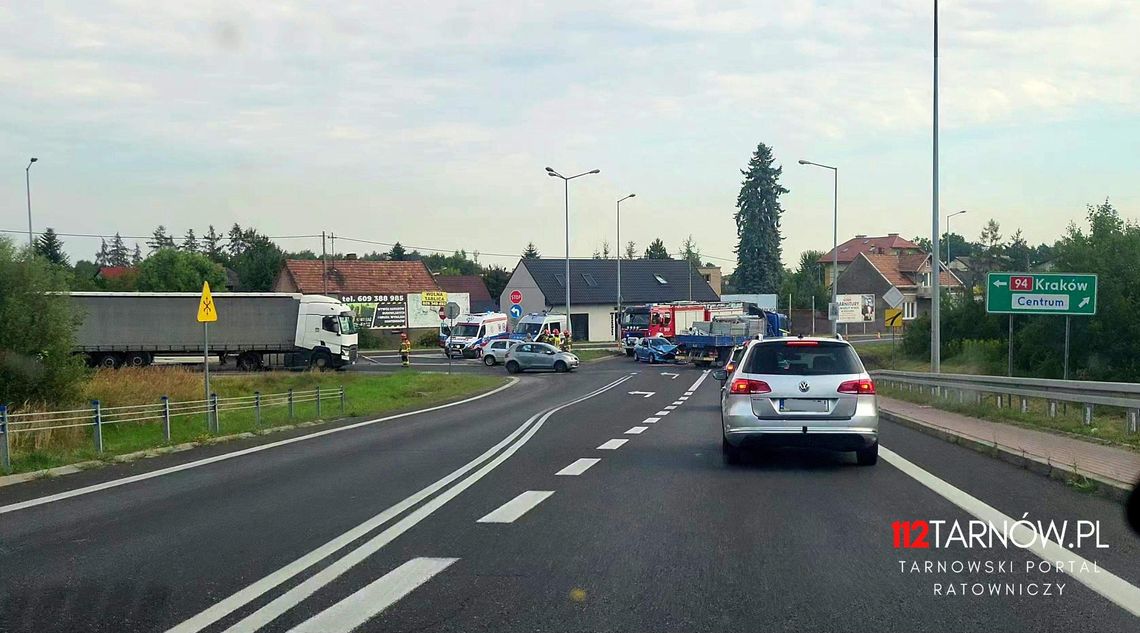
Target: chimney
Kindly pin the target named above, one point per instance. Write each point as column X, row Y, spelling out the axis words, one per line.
column 350, row 256
column 892, row 234
column 860, row 236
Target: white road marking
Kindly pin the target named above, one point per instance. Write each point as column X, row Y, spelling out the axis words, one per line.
column 704, row 374
column 637, row 430
column 669, row 373
column 578, row 467
column 643, row 394
column 294, row 596
column 661, row 413
column 378, row 595
column 1116, row 589
column 612, row 445
column 370, row 359
column 683, row 398
column 515, row 508
column 650, row 420
column 218, row 458
column 678, row 403
column 671, row 407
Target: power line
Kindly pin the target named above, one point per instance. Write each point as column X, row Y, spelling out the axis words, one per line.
column 151, row 237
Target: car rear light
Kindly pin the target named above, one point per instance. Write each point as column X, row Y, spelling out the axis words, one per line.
column 747, row 386
column 802, row 343
column 730, row 367
column 862, row 386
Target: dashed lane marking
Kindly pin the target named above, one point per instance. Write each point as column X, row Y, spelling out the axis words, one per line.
column 612, row 445
column 578, row 467
column 650, row 420
column 515, row 508
column 637, row 430
column 661, row 413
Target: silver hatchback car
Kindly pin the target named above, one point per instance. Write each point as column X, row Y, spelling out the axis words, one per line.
column 799, row 392
column 525, row 356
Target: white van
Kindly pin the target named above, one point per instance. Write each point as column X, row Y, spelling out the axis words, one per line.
column 472, row 330
column 535, row 323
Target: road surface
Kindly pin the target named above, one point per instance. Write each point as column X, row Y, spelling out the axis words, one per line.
column 563, row 503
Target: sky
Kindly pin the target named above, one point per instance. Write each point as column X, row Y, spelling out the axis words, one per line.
column 431, row 123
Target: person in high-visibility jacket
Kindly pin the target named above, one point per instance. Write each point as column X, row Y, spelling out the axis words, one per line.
column 405, row 351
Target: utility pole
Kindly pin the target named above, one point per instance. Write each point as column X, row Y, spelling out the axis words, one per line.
column 936, row 266
column 324, row 267
column 28, row 185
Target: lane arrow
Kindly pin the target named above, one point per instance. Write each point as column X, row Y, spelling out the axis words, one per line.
column 644, row 394
column 1084, row 302
column 666, row 373
column 999, row 283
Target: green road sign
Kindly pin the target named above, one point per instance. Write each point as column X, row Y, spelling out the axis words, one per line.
column 1068, row 294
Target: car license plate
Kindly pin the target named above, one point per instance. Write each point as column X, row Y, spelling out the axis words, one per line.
column 803, row 405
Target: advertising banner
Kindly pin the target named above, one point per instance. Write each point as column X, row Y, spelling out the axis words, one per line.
column 383, row 311
column 856, row 308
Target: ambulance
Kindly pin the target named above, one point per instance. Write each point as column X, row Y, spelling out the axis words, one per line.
column 472, row 331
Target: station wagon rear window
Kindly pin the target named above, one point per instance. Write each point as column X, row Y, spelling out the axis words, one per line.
column 803, row 358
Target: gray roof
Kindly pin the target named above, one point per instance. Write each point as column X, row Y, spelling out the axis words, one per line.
column 595, row 280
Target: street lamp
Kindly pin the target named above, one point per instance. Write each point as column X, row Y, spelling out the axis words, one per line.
column 632, row 195
column 948, row 259
column 28, row 186
column 566, row 186
column 834, row 246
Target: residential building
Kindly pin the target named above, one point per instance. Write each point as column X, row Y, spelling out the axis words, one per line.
column 593, row 289
column 713, row 276
column 875, row 274
column 889, row 244
column 473, row 286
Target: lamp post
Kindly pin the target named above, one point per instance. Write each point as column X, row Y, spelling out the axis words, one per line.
column 834, row 245
column 28, row 186
column 935, row 290
column 566, row 187
column 618, row 328
column 948, row 240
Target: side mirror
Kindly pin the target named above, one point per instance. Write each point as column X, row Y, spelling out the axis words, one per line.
column 720, row 374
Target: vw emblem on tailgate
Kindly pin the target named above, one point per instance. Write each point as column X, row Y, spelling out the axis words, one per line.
column 804, row 386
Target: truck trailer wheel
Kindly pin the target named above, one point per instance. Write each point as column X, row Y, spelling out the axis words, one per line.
column 249, row 361
column 137, row 359
column 108, row 361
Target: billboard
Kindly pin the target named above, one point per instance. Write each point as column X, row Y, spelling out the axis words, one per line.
column 423, row 314
column 382, row 311
column 856, row 308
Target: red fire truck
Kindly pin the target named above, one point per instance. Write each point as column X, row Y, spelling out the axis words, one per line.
column 669, row 319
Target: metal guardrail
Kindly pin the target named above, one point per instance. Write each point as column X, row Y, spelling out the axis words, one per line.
column 1086, row 393
column 96, row 416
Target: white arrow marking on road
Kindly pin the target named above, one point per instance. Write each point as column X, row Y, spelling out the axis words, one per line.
column 644, row 394
column 999, row 283
column 1084, row 302
column 667, row 373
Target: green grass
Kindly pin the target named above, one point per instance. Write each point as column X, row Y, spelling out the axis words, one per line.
column 1107, row 425
column 365, row 394
column 882, row 355
column 591, row 354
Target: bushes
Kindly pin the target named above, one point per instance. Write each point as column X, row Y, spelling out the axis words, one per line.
column 36, row 331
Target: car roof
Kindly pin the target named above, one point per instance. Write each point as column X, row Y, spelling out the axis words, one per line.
column 818, row 339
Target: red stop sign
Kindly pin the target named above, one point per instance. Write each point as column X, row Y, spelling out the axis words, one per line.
column 442, row 312
column 516, row 296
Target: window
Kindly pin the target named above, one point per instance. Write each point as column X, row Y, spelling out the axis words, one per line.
column 589, row 279
column 910, row 310
column 660, row 279
column 803, row 360
column 561, row 279
column 329, row 324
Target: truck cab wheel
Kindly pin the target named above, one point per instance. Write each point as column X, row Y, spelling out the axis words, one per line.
column 321, row 361
column 137, row 359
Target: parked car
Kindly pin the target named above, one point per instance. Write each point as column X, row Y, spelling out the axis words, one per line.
column 735, row 356
column 799, row 392
column 654, row 349
column 495, row 352
column 524, row 356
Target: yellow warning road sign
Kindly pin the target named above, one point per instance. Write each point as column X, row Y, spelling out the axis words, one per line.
column 893, row 317
column 207, row 312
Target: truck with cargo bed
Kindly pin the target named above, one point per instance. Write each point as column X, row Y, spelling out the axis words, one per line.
column 711, row 342
column 258, row 330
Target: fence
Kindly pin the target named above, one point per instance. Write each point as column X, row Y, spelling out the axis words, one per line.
column 97, row 416
column 1087, row 394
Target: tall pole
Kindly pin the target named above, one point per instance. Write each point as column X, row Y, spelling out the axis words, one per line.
column 1065, row 375
column 324, row 267
column 569, row 327
column 28, row 188
column 566, row 182
column 936, row 266
column 948, row 240
column 619, row 264
column 834, row 318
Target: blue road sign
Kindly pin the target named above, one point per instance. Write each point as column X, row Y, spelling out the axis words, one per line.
column 516, row 311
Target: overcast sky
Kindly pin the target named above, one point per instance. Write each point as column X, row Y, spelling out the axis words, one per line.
column 431, row 122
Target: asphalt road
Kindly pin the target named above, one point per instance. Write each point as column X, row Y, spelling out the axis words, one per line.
column 506, row 514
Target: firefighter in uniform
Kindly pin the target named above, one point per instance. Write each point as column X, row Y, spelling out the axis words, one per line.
column 405, row 350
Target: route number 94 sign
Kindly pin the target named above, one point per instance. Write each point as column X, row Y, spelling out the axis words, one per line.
column 1066, row 294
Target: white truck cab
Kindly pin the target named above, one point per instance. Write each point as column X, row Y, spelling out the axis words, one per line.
column 530, row 326
column 472, row 330
column 327, row 329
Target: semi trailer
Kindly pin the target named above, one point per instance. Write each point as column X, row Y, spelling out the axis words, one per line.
column 257, row 330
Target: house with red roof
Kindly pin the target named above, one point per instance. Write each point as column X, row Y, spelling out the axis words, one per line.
column 889, row 244
column 875, row 274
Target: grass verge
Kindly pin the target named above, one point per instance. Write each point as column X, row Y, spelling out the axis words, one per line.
column 365, row 394
column 592, row 354
column 1107, row 425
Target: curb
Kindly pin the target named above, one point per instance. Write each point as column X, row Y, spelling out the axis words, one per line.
column 19, row 478
column 1102, row 485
